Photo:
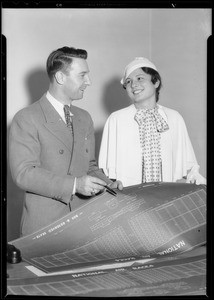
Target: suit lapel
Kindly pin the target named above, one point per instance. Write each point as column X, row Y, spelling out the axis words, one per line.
column 77, row 126
column 79, row 134
column 55, row 124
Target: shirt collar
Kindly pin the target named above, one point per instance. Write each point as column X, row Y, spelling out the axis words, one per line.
column 57, row 105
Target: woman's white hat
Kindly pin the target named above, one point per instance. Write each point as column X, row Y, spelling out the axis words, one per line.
column 138, row 62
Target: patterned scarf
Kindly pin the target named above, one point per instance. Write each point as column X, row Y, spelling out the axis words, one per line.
column 151, row 124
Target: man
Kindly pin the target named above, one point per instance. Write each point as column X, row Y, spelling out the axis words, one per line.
column 52, row 145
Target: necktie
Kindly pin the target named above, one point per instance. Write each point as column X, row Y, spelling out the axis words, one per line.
column 68, row 118
column 151, row 124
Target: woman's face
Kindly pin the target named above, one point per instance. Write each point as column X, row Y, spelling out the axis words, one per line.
column 140, row 88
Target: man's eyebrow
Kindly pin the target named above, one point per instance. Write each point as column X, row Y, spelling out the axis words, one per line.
column 83, row 72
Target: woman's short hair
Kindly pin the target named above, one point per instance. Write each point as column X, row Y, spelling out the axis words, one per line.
column 62, row 58
column 155, row 76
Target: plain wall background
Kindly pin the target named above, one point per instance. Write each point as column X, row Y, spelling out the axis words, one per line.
column 174, row 39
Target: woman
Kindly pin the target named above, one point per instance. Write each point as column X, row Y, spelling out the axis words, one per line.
column 147, row 142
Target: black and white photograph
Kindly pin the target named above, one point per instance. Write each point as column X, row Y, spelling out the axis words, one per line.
column 106, row 150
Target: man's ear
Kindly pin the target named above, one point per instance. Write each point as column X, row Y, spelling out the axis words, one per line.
column 59, row 76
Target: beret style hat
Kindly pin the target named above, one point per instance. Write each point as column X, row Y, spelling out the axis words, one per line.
column 138, row 62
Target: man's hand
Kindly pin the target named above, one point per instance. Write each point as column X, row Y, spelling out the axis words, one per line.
column 116, row 185
column 89, row 185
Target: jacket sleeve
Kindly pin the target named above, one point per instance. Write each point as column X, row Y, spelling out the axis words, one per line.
column 26, row 169
column 183, row 152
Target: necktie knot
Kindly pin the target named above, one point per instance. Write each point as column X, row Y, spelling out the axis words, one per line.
column 67, row 109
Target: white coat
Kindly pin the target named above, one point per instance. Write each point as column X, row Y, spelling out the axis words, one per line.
column 120, row 151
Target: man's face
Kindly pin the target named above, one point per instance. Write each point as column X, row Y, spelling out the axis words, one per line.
column 76, row 79
column 140, row 88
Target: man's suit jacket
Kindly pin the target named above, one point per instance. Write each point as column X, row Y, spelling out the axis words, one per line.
column 45, row 158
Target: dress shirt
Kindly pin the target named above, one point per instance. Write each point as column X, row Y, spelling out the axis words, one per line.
column 59, row 107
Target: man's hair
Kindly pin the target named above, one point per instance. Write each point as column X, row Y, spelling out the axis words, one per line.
column 155, row 76
column 62, row 58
